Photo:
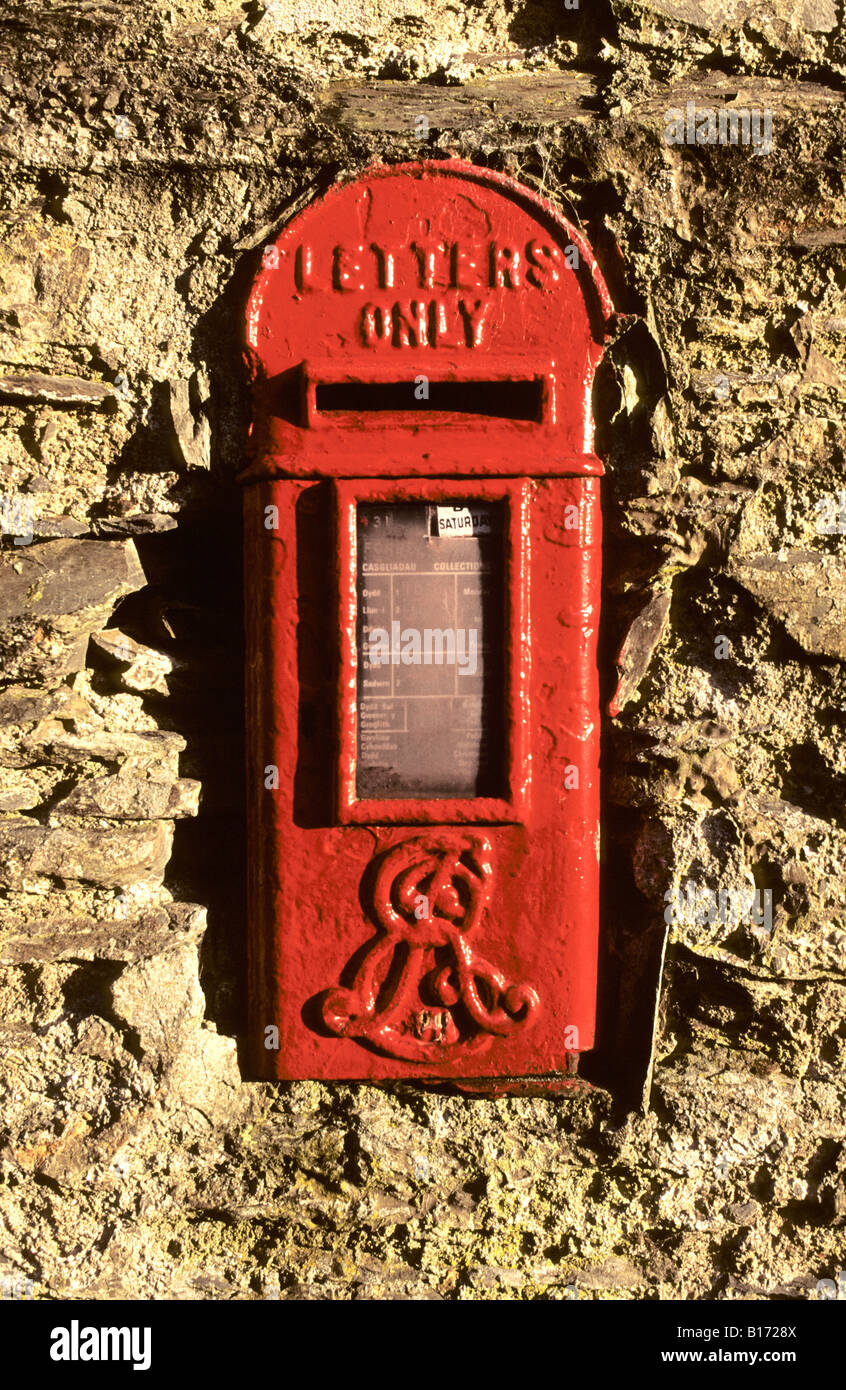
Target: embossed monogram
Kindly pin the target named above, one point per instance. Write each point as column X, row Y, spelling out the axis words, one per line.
column 421, row 991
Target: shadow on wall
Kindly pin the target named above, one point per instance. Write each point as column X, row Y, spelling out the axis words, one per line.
column 191, row 609
column 628, row 387
column 586, row 22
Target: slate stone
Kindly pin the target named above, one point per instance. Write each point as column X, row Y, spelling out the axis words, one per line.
column 137, row 524
column 109, row 857
column 56, row 390
column 128, row 937
column 67, row 577
column 155, row 752
column 124, row 797
column 50, row 527
column 635, row 654
column 160, row 998
column 818, row 16
column 144, row 667
column 189, row 423
column 806, row 591
column 53, row 596
column 20, row 704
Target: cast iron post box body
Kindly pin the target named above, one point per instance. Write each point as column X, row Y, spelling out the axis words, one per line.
column 422, row 571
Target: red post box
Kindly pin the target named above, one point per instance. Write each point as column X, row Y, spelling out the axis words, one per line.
column 422, row 576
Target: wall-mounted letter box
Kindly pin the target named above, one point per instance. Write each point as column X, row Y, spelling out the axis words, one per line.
column 422, row 576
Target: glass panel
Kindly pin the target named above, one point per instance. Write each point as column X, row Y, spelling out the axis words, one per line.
column 431, row 650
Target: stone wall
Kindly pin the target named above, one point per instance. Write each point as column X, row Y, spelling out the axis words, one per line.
column 149, row 151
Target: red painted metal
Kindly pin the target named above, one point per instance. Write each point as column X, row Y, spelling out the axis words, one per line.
column 441, row 271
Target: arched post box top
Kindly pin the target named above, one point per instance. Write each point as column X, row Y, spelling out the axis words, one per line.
column 425, row 318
